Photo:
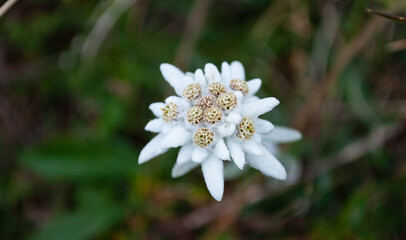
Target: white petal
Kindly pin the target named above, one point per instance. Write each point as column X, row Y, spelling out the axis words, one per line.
column 212, row 73
column 272, row 148
column 226, row 130
column 190, row 74
column 173, row 99
column 253, row 86
column 173, row 76
column 167, row 128
column 237, row 70
column 199, row 154
column 257, row 138
column 155, row 125
column 213, row 173
column 185, row 103
column 200, row 78
column 156, row 108
column 226, row 72
column 178, row 101
column 252, row 147
column 185, row 154
column 177, row 137
column 187, row 80
column 233, row 117
column 152, row 149
column 283, row 135
column 250, row 99
column 263, row 126
column 221, row 150
column 239, row 96
column 237, row 154
column 254, row 109
column 268, row 165
column 181, row 169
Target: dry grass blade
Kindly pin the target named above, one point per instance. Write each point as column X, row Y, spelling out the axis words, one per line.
column 6, row 6
column 388, row 16
column 194, row 24
column 309, row 111
column 102, row 27
column 395, row 46
column 355, row 150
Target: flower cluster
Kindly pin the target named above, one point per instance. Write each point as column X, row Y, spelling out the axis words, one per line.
column 213, row 119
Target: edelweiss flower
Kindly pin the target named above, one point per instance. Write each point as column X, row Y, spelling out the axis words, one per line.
column 213, row 119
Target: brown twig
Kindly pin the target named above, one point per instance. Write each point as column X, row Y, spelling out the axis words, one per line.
column 392, row 17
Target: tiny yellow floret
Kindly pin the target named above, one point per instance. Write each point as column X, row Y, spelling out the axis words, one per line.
column 192, row 91
column 194, row 115
column 217, row 88
column 203, row 137
column 213, row 115
column 246, row 129
column 239, row 85
column 169, row 112
column 227, row 101
column 206, row 101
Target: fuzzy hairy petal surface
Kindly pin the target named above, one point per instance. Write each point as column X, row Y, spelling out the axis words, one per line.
column 221, row 150
column 263, row 126
column 253, row 86
column 173, row 76
column 185, row 154
column 156, row 108
column 179, row 170
column 199, row 154
column 257, row 108
column 237, row 70
column 178, row 136
column 152, row 149
column 267, row 164
column 212, row 73
column 213, row 172
column 237, row 153
column 283, row 135
column 155, row 125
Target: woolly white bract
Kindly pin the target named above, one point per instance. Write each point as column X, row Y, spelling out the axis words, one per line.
column 214, row 118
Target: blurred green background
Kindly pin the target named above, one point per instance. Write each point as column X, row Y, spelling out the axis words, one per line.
column 76, row 79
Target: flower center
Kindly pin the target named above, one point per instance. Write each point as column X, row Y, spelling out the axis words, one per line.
column 170, row 112
column 246, row 129
column 217, row 88
column 195, row 115
column 227, row 101
column 203, row 137
column 206, row 101
column 192, row 91
column 213, row 115
column 239, row 85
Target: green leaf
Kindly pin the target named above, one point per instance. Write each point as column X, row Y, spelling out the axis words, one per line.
column 82, row 224
column 80, row 159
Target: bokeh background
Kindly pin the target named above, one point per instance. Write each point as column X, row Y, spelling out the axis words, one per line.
column 76, row 79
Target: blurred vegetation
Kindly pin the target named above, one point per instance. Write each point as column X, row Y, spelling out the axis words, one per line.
column 74, row 96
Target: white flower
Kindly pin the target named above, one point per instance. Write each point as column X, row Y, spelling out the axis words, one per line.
column 213, row 119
